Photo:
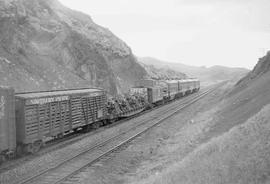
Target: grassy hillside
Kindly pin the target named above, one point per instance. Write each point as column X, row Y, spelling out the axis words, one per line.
column 241, row 155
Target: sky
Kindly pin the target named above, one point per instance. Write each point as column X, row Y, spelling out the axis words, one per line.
column 232, row 33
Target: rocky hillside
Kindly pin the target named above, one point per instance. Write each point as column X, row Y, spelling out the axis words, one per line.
column 212, row 74
column 262, row 67
column 44, row 45
column 162, row 73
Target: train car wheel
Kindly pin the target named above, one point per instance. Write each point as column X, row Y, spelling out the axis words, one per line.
column 36, row 146
column 28, row 148
column 33, row 148
column 59, row 136
column 95, row 125
column 19, row 150
column 105, row 122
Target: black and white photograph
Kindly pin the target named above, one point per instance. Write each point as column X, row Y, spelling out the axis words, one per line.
column 134, row 92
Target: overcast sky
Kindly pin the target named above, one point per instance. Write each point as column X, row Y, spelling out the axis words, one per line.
column 194, row 32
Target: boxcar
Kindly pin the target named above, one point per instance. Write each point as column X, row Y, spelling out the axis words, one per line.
column 158, row 93
column 7, row 123
column 43, row 115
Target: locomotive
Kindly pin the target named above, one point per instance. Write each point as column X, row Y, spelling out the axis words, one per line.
column 29, row 120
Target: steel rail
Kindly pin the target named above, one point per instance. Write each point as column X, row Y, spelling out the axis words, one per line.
column 34, row 178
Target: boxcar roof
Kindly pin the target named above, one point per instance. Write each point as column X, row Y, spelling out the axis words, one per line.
column 181, row 80
column 171, row 81
column 188, row 80
column 57, row 93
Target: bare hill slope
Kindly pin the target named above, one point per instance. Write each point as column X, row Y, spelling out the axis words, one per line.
column 44, row 45
column 212, row 74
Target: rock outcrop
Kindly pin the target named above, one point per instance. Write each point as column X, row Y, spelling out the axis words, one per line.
column 44, row 45
column 262, row 67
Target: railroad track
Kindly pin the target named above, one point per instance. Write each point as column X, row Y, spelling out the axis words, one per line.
column 65, row 170
column 74, row 137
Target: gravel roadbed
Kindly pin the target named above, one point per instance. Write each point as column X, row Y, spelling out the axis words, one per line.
column 46, row 161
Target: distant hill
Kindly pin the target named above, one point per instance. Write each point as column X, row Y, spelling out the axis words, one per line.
column 212, row 74
column 45, row 45
column 162, row 73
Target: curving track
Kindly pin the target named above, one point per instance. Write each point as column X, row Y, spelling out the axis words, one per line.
column 65, row 171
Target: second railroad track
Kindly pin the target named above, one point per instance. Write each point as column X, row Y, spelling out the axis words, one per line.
column 69, row 167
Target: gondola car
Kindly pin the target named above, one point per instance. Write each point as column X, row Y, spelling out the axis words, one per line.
column 41, row 116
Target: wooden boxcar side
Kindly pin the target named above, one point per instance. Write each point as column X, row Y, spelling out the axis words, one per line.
column 7, row 122
column 49, row 114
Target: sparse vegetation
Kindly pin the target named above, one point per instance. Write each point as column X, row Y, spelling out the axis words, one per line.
column 241, row 155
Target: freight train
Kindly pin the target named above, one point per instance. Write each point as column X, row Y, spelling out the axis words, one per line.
column 28, row 120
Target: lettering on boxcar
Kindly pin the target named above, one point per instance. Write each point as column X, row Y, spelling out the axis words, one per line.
column 47, row 100
column 93, row 94
column 2, row 107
